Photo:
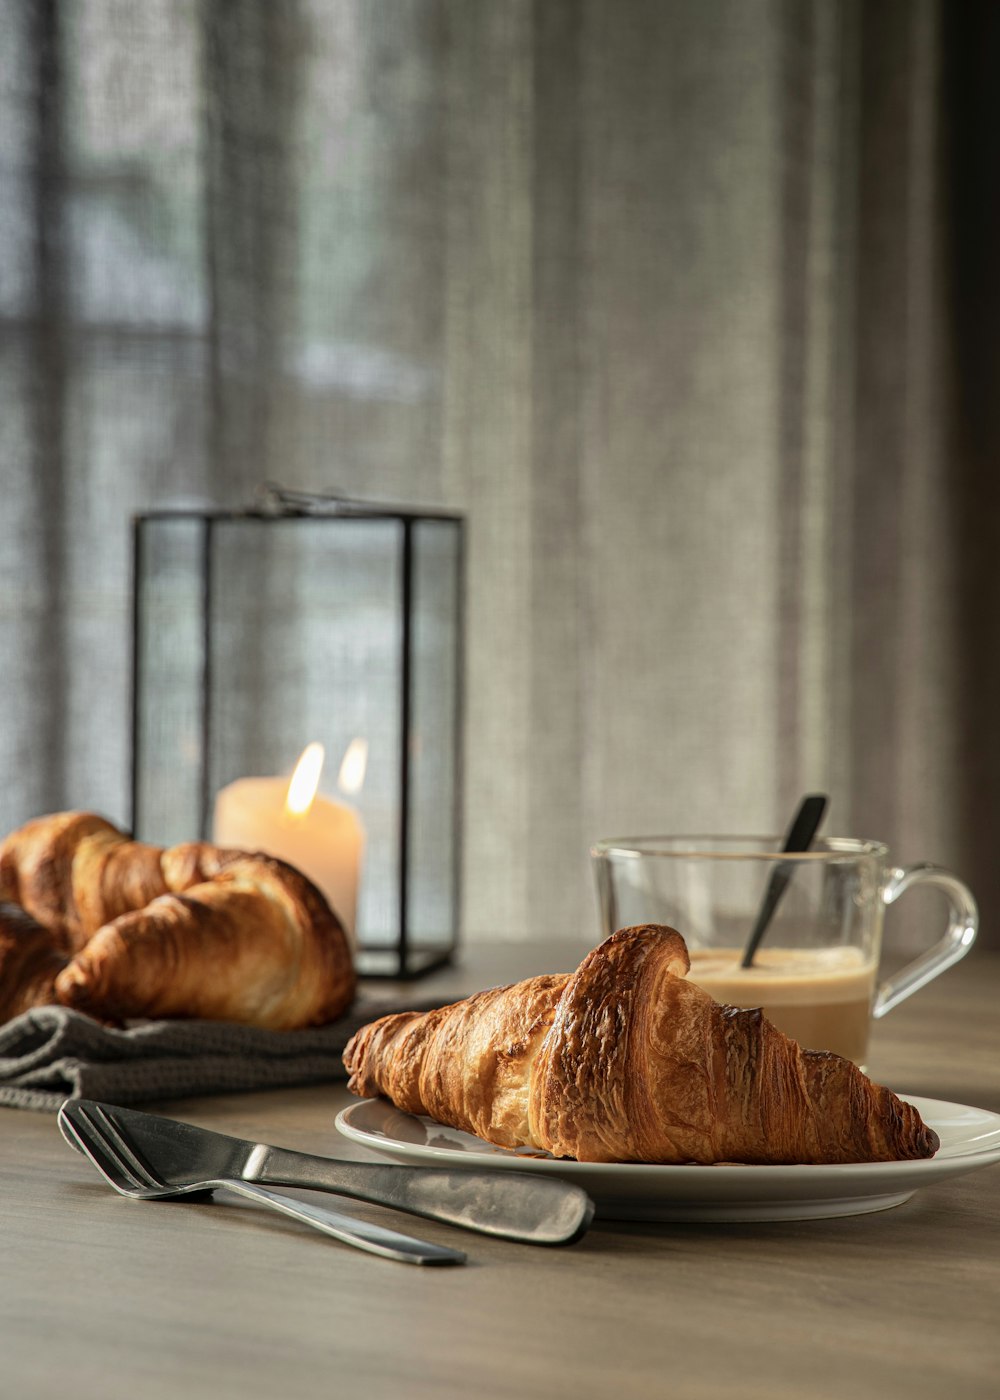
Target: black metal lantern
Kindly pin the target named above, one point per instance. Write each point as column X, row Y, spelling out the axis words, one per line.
column 309, row 620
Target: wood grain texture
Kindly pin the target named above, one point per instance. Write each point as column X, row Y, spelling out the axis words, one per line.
column 105, row 1297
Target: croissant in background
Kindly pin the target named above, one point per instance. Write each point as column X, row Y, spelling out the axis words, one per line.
column 626, row 1061
column 123, row 930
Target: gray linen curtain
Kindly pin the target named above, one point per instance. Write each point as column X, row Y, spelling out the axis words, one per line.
column 690, row 307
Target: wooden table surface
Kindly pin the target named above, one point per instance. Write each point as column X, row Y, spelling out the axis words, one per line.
column 100, row 1296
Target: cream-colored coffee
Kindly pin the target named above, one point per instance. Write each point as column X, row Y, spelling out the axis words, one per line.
column 820, row 997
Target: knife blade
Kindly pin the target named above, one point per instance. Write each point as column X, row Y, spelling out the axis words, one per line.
column 532, row 1209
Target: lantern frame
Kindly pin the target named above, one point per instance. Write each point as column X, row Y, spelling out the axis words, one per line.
column 402, row 952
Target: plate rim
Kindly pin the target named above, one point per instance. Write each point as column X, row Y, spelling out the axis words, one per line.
column 929, row 1168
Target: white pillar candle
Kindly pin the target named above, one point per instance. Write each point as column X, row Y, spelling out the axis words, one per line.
column 325, row 842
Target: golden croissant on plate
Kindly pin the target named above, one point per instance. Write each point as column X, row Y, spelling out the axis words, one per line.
column 123, row 930
column 626, row 1061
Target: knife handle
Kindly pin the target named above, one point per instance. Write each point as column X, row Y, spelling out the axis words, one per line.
column 531, row 1208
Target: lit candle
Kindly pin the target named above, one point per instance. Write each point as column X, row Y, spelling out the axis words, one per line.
column 322, row 838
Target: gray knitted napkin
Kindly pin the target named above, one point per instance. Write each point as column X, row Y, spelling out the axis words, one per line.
column 52, row 1053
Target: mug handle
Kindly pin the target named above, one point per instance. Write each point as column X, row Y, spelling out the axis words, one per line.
column 963, row 922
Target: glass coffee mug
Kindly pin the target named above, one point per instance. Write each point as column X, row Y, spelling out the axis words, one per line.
column 815, row 972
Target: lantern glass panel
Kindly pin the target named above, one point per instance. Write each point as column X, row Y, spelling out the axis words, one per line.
column 432, row 841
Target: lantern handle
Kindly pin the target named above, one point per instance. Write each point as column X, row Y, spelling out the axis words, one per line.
column 274, row 500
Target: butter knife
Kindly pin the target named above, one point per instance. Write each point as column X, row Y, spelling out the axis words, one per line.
column 532, row 1209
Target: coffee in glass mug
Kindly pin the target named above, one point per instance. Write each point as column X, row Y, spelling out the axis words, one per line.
column 815, row 974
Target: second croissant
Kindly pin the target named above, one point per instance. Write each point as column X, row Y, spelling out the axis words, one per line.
column 624, row 1060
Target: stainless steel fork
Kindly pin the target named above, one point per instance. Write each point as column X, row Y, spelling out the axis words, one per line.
column 92, row 1132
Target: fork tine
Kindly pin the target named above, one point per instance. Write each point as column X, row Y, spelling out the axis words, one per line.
column 105, row 1152
column 92, row 1146
column 116, row 1139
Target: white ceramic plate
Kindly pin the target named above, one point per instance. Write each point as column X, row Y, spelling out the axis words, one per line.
column 970, row 1138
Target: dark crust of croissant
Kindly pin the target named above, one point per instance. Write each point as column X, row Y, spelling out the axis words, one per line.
column 30, row 961
column 189, row 931
column 624, row 1060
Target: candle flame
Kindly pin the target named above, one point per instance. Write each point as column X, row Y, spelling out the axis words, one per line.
column 352, row 770
column 305, row 780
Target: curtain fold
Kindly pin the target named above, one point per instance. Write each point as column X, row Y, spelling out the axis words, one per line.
column 690, row 308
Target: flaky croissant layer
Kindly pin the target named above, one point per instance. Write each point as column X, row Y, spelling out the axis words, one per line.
column 625, row 1060
column 123, row 930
